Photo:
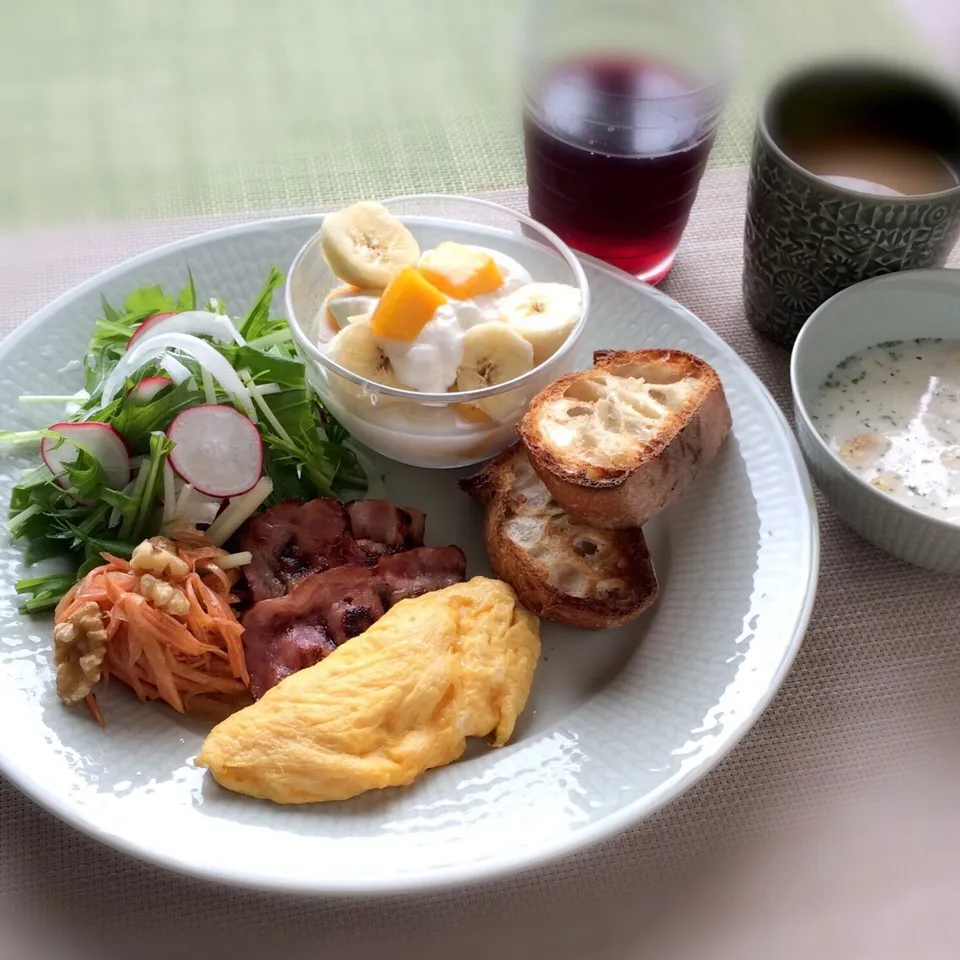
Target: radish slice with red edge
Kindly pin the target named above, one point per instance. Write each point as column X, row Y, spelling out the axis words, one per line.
column 148, row 389
column 146, row 325
column 218, row 450
column 100, row 440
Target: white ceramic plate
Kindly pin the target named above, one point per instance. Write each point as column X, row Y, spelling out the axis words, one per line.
column 618, row 722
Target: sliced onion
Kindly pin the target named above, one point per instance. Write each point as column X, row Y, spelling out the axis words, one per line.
column 178, row 372
column 193, row 347
column 73, row 406
column 198, row 323
column 146, row 325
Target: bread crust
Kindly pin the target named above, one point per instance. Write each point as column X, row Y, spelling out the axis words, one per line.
column 512, row 494
column 661, row 468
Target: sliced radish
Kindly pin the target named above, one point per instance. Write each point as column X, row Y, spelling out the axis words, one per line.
column 198, row 323
column 218, row 450
column 199, row 350
column 100, row 440
column 148, row 389
column 146, row 325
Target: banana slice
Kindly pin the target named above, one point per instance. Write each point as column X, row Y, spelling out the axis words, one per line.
column 493, row 352
column 543, row 314
column 346, row 303
column 356, row 348
column 367, row 246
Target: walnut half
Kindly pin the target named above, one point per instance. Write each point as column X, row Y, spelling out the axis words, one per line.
column 80, row 643
column 164, row 596
column 159, row 556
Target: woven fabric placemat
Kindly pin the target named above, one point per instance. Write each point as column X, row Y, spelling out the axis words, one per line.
column 834, row 817
column 137, row 109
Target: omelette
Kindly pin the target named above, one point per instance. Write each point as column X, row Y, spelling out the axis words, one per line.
column 387, row 705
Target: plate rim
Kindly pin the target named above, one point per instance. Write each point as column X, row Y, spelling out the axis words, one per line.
column 610, row 825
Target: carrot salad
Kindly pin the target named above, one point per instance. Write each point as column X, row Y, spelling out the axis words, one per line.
column 192, row 659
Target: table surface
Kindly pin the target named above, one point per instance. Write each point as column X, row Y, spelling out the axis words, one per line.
column 122, row 108
column 829, row 831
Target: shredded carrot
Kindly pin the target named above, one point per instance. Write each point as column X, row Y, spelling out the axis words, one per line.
column 91, row 701
column 186, row 535
column 221, row 576
column 195, row 662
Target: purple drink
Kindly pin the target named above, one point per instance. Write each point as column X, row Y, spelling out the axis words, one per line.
column 614, row 160
column 621, row 104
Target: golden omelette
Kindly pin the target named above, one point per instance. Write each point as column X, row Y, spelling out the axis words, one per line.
column 387, row 705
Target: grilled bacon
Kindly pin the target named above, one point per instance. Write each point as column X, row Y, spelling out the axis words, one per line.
column 285, row 634
column 292, row 541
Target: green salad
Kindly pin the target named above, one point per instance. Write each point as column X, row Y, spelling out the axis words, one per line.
column 188, row 423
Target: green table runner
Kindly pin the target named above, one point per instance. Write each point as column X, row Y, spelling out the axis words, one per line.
column 164, row 108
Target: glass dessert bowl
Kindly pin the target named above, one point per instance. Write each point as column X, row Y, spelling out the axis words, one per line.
column 428, row 338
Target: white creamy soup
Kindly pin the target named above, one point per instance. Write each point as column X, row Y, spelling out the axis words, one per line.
column 892, row 413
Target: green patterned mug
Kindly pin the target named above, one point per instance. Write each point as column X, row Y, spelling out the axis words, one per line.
column 807, row 237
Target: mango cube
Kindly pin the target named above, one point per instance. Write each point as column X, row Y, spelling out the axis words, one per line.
column 406, row 306
column 460, row 271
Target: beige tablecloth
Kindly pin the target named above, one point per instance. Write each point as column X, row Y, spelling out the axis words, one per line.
column 830, row 831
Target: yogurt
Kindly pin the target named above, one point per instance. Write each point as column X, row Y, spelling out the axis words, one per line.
column 892, row 414
column 444, row 433
column 429, row 363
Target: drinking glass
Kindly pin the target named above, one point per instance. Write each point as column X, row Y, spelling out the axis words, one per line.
column 621, row 104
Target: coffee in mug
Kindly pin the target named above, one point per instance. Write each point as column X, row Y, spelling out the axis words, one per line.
column 855, row 173
column 871, row 162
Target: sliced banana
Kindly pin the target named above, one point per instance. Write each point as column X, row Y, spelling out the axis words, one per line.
column 367, row 246
column 543, row 314
column 471, row 413
column 493, row 352
column 356, row 348
column 346, row 303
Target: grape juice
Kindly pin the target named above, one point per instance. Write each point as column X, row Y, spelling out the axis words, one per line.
column 615, row 152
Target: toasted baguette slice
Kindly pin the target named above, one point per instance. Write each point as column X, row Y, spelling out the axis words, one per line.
column 562, row 568
column 618, row 443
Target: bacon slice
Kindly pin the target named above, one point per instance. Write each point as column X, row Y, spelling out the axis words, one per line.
column 292, row 541
column 381, row 528
column 285, row 634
